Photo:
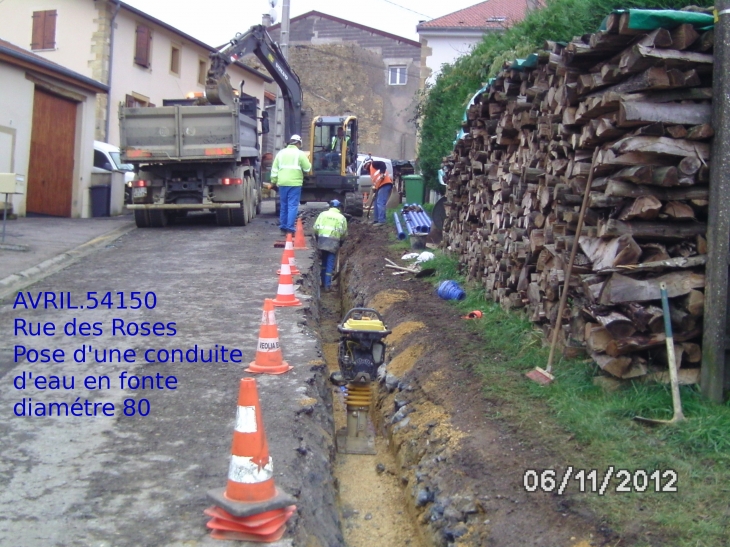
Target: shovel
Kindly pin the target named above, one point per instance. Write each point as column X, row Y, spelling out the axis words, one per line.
column 673, row 377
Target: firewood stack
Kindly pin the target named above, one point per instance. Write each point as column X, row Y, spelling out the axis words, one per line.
column 516, row 181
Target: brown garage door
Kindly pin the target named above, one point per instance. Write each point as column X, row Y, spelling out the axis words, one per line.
column 50, row 173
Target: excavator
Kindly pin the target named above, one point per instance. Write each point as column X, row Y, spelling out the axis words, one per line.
column 333, row 171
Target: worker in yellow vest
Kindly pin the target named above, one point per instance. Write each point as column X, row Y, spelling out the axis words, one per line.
column 287, row 173
column 330, row 229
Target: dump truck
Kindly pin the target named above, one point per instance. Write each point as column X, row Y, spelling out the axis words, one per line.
column 190, row 156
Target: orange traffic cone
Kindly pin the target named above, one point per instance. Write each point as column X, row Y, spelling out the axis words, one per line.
column 289, row 253
column 250, row 507
column 300, row 243
column 285, row 293
column 268, row 353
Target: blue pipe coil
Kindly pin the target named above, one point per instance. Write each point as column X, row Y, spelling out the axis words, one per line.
column 450, row 290
column 413, row 222
column 398, row 228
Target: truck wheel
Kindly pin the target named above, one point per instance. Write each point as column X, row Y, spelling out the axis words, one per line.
column 248, row 201
column 238, row 215
column 223, row 217
column 353, row 204
column 142, row 218
column 158, row 218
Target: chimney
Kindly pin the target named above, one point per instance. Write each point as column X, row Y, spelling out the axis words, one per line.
column 266, row 20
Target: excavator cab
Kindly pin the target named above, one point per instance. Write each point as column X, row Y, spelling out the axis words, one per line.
column 333, row 154
column 333, row 144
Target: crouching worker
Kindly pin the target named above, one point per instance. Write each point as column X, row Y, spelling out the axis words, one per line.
column 330, row 229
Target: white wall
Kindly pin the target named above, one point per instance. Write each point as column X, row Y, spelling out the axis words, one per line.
column 446, row 48
column 16, row 116
column 74, row 26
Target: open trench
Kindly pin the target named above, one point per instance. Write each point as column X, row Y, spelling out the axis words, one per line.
column 372, row 505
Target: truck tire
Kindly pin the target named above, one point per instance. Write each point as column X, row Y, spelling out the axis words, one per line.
column 158, row 218
column 142, row 218
column 238, row 215
column 223, row 217
column 353, row 204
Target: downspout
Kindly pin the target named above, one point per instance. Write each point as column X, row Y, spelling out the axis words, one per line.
column 109, row 77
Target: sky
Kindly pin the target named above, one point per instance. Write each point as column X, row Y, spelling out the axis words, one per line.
column 217, row 21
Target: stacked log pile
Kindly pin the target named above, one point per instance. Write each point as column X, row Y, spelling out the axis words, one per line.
column 517, row 177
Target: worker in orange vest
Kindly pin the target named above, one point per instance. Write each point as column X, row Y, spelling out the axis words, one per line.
column 382, row 186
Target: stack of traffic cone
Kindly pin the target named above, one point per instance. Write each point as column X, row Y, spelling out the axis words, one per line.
column 250, row 507
column 289, row 254
column 300, row 243
column 285, row 293
column 268, row 353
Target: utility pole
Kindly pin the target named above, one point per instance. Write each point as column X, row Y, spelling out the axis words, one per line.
column 714, row 375
column 279, row 137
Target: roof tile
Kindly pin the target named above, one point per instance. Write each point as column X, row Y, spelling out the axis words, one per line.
column 492, row 14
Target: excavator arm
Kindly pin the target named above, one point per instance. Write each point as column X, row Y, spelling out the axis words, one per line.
column 256, row 41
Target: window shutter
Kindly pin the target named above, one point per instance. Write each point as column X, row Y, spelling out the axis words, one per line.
column 129, row 101
column 142, row 46
column 49, row 30
column 37, row 38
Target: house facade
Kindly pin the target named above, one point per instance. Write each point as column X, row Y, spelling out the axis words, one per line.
column 446, row 38
column 47, row 121
column 142, row 59
column 348, row 68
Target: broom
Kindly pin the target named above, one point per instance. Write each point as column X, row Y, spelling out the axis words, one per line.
column 544, row 376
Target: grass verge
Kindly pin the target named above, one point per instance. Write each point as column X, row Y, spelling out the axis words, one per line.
column 603, row 434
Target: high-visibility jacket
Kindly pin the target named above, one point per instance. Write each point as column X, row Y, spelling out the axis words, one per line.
column 336, row 144
column 330, row 229
column 289, row 166
column 379, row 178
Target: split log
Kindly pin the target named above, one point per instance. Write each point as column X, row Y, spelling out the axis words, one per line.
column 634, row 113
column 597, row 337
column 663, row 145
column 621, row 289
column 609, row 254
column 694, row 303
column 616, row 366
column 643, row 207
column 684, row 36
column 678, row 211
column 618, row 325
column 645, row 318
column 633, row 344
column 657, row 231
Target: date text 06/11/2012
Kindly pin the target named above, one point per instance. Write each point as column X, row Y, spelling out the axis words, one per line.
column 590, row 481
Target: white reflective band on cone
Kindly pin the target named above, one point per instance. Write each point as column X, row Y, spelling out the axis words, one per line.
column 246, row 419
column 268, row 318
column 244, row 470
column 285, row 269
column 286, row 289
column 268, row 344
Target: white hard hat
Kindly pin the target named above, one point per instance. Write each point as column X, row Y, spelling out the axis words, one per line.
column 295, row 138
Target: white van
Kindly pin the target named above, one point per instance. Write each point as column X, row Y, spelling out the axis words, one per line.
column 364, row 182
column 107, row 158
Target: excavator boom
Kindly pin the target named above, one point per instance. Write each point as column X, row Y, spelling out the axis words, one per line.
column 256, row 41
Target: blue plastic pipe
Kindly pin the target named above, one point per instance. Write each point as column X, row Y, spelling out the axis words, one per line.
column 450, row 290
column 398, row 229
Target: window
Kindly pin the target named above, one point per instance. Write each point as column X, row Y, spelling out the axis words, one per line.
column 101, row 161
column 136, row 100
column 397, row 75
column 44, row 30
column 143, row 42
column 202, row 71
column 175, row 60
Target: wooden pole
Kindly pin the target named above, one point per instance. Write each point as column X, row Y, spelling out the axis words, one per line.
column 714, row 340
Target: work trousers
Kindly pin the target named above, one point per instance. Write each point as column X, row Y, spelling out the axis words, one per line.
column 381, row 200
column 328, row 268
column 289, row 202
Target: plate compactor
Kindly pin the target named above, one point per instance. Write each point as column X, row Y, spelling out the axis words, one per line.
column 361, row 351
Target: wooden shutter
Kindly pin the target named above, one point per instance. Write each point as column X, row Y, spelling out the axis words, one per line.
column 49, row 30
column 142, row 46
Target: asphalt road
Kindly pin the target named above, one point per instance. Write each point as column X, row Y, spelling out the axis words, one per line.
column 108, row 481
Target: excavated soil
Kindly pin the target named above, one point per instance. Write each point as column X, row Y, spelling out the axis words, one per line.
column 461, row 471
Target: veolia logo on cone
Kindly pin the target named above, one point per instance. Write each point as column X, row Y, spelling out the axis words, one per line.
column 269, row 359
